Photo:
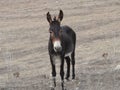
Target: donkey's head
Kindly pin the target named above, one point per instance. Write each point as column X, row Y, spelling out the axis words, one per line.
column 55, row 30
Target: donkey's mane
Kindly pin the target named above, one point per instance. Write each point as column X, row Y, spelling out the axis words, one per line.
column 54, row 19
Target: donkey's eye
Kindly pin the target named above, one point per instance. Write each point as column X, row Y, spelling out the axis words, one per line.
column 51, row 33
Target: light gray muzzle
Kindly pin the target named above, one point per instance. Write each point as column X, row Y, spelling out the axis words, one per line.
column 57, row 46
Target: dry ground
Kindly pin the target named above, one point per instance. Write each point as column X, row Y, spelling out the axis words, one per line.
column 24, row 60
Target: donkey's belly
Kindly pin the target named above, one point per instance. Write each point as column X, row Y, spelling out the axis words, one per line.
column 68, row 54
column 69, row 50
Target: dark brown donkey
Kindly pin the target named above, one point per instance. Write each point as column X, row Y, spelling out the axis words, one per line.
column 61, row 43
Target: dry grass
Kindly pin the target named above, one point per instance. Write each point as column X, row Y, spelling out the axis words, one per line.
column 24, row 61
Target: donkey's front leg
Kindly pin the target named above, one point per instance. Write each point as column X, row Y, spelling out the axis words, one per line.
column 53, row 84
column 62, row 73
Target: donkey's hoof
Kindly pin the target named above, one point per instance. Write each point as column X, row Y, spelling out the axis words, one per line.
column 64, row 89
column 73, row 77
column 67, row 79
column 52, row 88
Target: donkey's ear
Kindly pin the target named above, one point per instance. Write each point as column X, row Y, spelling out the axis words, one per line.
column 60, row 16
column 48, row 16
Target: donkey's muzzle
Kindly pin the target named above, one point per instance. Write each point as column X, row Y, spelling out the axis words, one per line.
column 57, row 46
column 58, row 49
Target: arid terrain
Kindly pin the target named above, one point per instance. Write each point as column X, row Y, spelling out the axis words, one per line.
column 24, row 59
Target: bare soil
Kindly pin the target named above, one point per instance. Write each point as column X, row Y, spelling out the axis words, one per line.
column 24, row 59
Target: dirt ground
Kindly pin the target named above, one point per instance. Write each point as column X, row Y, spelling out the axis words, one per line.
column 24, row 60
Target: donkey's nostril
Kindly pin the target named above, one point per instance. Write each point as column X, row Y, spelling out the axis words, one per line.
column 57, row 49
column 57, row 46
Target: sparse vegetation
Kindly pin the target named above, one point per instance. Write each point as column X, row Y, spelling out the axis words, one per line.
column 23, row 44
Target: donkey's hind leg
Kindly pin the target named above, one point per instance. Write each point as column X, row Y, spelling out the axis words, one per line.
column 73, row 64
column 68, row 67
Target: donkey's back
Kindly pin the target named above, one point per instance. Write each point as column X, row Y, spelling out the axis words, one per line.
column 69, row 40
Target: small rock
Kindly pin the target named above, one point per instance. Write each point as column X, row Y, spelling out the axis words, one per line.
column 16, row 74
column 117, row 67
column 105, row 55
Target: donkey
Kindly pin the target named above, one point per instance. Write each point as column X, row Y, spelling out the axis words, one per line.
column 61, row 43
